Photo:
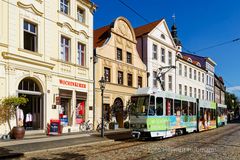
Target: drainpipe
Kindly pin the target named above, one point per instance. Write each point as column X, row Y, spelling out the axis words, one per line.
column 94, row 85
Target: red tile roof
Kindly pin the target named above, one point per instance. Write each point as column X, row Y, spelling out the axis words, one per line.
column 101, row 35
column 145, row 29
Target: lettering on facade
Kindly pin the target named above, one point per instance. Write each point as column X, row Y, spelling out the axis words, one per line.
column 69, row 83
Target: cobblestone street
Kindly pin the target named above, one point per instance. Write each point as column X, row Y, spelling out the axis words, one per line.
column 221, row 143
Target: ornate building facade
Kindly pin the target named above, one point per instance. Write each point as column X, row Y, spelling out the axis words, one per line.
column 119, row 63
column 46, row 54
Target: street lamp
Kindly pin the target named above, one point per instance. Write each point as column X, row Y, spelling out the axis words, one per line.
column 102, row 84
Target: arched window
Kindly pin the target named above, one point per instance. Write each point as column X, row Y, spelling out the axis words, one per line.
column 189, row 60
column 179, row 55
column 198, row 64
column 28, row 84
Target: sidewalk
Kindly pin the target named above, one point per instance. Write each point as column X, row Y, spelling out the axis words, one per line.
column 32, row 143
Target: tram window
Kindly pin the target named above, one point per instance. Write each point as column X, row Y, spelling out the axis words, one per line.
column 201, row 114
column 208, row 114
column 151, row 111
column 184, row 108
column 169, row 107
column 177, row 107
column 159, row 106
column 152, row 100
column 191, row 109
column 194, row 109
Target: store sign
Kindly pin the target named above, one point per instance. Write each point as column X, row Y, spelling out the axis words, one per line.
column 70, row 83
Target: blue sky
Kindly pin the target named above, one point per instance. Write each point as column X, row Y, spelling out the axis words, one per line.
column 200, row 24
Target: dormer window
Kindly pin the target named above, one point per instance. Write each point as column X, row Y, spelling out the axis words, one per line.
column 179, row 55
column 189, row 60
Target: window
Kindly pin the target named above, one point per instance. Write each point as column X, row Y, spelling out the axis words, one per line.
column 129, row 57
column 139, row 81
column 159, row 106
column 190, row 72
column 129, row 79
column 177, row 107
column 185, row 71
column 163, row 54
column 169, row 107
column 202, row 77
column 30, row 36
column 81, row 54
column 180, row 69
column 190, row 91
column 170, row 83
column 207, row 96
column 65, row 49
column 170, row 58
column 185, row 90
column 199, row 93
column 195, row 92
column 119, row 54
column 107, row 74
column 199, row 76
column 120, row 77
column 64, row 6
column 202, row 94
column 180, row 89
column 154, row 78
column 81, row 15
column 195, row 74
column 184, row 109
column 155, row 51
column 207, row 79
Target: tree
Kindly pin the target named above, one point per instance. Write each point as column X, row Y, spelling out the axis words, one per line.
column 8, row 107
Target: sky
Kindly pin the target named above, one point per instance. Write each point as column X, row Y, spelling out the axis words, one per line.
column 200, row 23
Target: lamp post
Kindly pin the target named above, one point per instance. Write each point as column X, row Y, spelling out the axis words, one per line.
column 102, row 84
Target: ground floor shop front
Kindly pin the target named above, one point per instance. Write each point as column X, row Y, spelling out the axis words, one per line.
column 50, row 97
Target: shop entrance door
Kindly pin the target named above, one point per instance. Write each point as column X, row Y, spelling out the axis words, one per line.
column 33, row 110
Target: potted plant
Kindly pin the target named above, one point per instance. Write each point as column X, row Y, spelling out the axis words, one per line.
column 9, row 107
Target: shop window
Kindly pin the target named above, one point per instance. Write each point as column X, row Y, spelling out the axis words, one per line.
column 80, row 111
column 81, row 54
column 107, row 112
column 30, row 36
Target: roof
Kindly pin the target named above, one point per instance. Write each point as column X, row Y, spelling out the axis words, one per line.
column 194, row 57
column 101, row 35
column 145, row 29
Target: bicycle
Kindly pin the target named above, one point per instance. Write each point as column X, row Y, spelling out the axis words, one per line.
column 105, row 126
column 86, row 126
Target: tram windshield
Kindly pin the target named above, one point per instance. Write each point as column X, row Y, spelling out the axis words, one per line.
column 139, row 105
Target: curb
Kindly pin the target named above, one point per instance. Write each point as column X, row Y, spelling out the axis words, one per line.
column 66, row 147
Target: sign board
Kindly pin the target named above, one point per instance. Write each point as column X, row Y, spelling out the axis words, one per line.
column 54, row 128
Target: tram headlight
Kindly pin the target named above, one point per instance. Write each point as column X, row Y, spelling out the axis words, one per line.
column 132, row 125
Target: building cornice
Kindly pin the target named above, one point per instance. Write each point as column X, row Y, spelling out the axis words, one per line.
column 72, row 29
column 3, row 45
column 7, row 55
column 89, row 4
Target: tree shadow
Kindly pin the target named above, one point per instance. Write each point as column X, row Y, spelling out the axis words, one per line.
column 64, row 156
column 9, row 154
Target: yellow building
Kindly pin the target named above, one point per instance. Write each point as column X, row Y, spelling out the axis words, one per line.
column 47, row 54
column 118, row 61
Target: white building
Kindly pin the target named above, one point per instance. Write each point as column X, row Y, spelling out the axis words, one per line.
column 46, row 53
column 157, row 49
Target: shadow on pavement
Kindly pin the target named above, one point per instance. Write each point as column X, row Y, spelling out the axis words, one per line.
column 9, row 154
column 64, row 156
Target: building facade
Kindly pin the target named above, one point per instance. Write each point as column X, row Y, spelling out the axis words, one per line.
column 46, row 54
column 190, row 77
column 119, row 63
column 219, row 90
column 157, row 49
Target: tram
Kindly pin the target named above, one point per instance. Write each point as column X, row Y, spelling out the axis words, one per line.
column 156, row 113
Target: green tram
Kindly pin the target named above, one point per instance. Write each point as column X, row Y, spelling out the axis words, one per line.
column 156, row 113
